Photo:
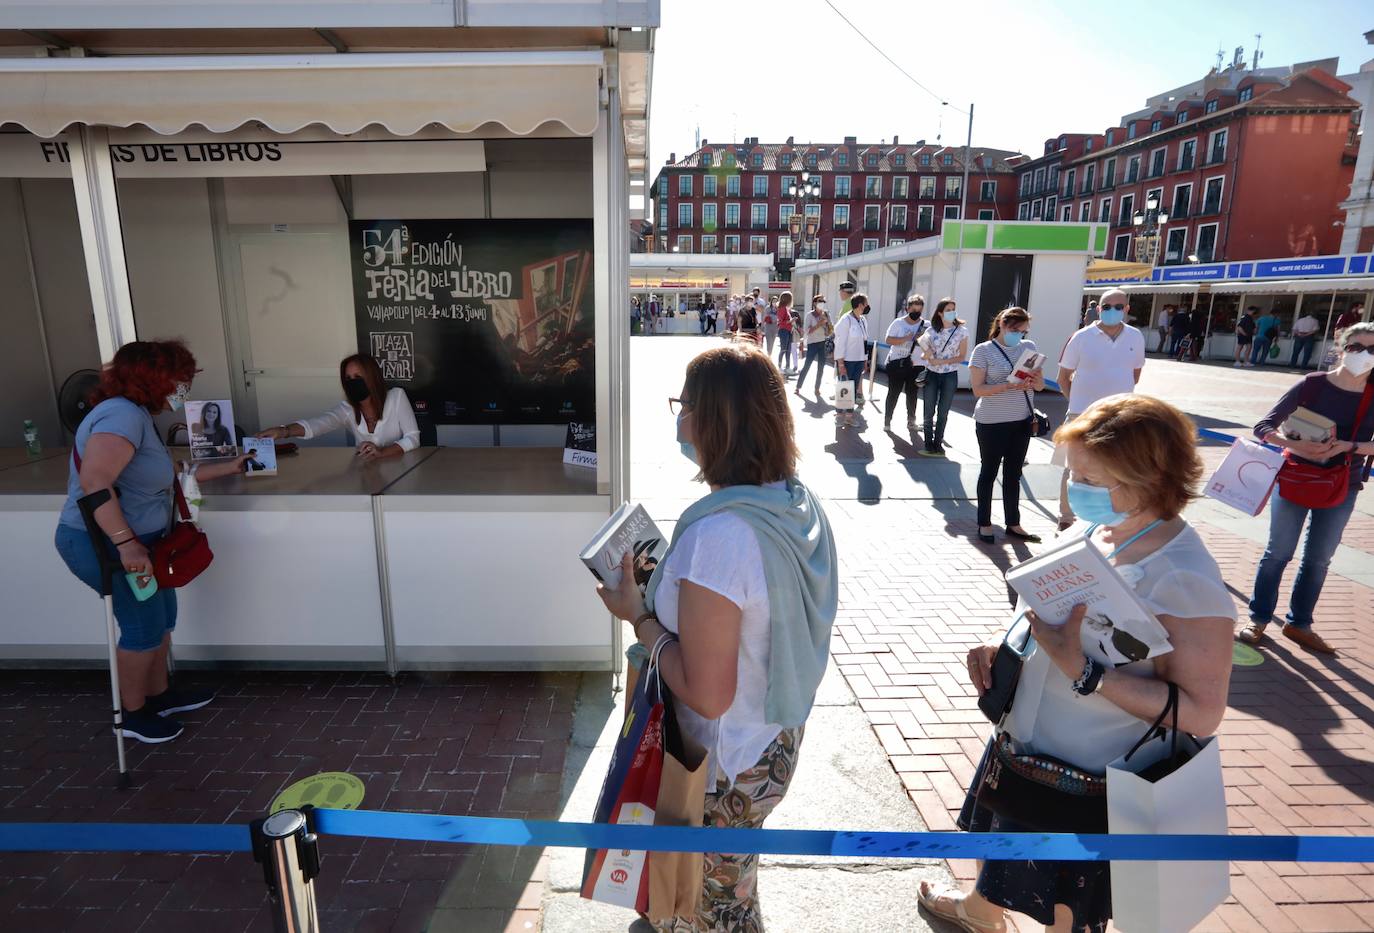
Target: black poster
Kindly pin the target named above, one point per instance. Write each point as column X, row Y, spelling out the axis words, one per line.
column 480, row 321
column 1006, row 284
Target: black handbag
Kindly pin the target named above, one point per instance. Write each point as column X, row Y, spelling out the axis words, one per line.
column 1040, row 422
column 995, row 702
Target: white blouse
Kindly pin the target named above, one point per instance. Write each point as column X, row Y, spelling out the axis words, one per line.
column 396, row 426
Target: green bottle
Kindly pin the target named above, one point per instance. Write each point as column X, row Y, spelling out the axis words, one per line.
column 31, row 443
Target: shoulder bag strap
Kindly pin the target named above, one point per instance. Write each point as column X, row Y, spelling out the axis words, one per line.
column 1359, row 421
column 1156, row 729
column 1025, row 392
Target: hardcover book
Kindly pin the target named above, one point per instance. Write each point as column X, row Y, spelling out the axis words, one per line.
column 1119, row 627
column 1027, row 366
column 1306, row 425
column 628, row 529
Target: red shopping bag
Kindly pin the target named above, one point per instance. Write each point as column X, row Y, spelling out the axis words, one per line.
column 629, row 795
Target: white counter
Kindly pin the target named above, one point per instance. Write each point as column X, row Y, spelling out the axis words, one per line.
column 321, row 564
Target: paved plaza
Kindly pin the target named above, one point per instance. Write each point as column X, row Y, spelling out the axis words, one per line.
column 891, row 745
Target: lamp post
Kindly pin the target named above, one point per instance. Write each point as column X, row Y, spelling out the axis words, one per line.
column 1148, row 224
column 801, row 227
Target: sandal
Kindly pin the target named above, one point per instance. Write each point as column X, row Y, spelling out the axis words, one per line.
column 1253, row 633
column 929, row 899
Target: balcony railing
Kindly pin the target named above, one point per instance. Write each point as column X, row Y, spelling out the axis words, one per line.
column 894, row 224
column 840, row 225
column 925, row 224
column 1178, row 213
column 1132, row 176
column 1185, row 164
column 953, row 194
column 846, row 193
column 871, row 225
column 1216, row 157
column 1108, row 182
column 1210, row 207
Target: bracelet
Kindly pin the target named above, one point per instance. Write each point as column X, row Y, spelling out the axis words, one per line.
column 641, row 620
column 123, row 531
column 1088, row 682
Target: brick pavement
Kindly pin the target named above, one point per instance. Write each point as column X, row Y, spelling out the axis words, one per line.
column 481, row 744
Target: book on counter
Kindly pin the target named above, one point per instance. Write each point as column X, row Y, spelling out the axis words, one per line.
column 1306, row 425
column 1120, row 628
column 628, row 529
column 262, row 456
column 1030, row 363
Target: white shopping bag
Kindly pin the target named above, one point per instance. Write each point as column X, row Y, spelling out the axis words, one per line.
column 1161, row 897
column 844, row 395
column 1246, row 477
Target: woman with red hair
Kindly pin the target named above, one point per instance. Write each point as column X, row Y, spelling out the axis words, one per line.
column 117, row 447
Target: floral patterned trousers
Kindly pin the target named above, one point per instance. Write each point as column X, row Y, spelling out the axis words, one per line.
column 730, row 900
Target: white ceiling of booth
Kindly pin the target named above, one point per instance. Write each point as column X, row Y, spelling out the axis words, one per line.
column 404, row 93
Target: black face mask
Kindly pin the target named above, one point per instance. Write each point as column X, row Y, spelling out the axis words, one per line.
column 355, row 389
column 915, row 315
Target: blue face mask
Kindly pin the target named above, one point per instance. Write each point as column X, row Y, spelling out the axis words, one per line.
column 688, row 449
column 1013, row 337
column 1093, row 504
column 1112, row 317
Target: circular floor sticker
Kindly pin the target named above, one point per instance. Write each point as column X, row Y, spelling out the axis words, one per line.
column 1243, row 655
column 337, row 790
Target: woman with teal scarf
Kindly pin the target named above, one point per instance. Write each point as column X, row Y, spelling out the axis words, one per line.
column 747, row 591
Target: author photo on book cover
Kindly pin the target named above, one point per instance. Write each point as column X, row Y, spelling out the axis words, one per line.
column 1133, row 467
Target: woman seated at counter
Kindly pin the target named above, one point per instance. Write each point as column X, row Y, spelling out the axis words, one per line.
column 117, row 447
column 382, row 421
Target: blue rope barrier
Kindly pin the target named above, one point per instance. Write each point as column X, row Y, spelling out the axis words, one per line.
column 472, row 830
column 125, row 837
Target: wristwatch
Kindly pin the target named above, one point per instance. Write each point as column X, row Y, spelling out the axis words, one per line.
column 1090, row 681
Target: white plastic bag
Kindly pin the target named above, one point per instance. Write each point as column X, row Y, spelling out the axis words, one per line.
column 1246, row 477
column 844, row 395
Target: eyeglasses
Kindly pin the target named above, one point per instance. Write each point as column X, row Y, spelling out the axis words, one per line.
column 676, row 405
column 1359, row 348
column 1112, row 307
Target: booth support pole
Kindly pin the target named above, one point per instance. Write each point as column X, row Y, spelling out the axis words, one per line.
column 384, row 585
column 963, row 207
column 102, row 239
column 1327, row 336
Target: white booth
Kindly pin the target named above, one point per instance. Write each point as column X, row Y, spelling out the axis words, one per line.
column 238, row 201
column 985, row 266
column 678, row 280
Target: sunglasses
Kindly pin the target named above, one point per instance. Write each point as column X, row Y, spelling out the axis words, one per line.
column 1359, row 348
column 1112, row 307
column 676, row 405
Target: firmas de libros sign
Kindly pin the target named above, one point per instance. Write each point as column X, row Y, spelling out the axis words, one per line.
column 480, row 321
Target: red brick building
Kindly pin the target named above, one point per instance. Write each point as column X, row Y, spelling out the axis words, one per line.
column 1247, row 167
column 733, row 198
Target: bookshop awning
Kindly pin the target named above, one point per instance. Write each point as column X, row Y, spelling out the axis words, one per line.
column 1113, row 270
column 403, row 93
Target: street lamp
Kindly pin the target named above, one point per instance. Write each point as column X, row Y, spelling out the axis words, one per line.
column 1148, row 223
column 802, row 227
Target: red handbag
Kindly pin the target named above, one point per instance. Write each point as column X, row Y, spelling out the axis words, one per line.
column 1321, row 486
column 184, row 553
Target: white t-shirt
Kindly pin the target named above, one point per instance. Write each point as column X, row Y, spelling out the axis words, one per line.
column 1102, row 366
column 902, row 327
column 1180, row 579
column 1163, row 320
column 721, row 553
column 1306, row 326
column 945, row 345
column 396, row 426
column 815, row 327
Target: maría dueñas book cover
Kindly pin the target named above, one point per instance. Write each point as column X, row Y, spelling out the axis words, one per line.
column 1118, row 628
column 629, row 529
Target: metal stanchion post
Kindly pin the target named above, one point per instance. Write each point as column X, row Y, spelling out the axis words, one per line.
column 289, row 853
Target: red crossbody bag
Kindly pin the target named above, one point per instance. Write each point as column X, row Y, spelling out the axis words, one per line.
column 1322, row 486
column 184, row 552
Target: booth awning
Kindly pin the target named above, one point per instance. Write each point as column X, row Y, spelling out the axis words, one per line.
column 403, row 93
column 1292, row 286
column 1114, row 270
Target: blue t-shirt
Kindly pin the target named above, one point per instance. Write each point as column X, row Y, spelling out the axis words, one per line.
column 146, row 482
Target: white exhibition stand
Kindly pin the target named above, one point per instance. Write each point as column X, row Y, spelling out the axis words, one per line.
column 444, row 558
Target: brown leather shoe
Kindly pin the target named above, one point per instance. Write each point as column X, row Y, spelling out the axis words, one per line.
column 1308, row 639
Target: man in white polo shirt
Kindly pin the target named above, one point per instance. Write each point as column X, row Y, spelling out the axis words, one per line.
column 1102, row 359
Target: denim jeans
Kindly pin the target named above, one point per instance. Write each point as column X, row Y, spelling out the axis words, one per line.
column 938, row 395
column 784, row 347
column 1302, row 351
column 1285, row 526
column 854, row 372
column 1260, row 354
column 814, row 352
column 142, row 625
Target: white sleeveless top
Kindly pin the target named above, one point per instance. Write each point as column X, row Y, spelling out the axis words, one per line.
column 1180, row 579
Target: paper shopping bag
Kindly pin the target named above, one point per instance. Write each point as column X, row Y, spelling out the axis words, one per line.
column 844, row 395
column 1160, row 793
column 1246, row 477
column 676, row 878
column 628, row 796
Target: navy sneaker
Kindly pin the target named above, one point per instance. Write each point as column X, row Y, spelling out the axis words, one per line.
column 172, row 700
column 148, row 727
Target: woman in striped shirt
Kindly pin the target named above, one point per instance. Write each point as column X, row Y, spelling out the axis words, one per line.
column 1002, row 418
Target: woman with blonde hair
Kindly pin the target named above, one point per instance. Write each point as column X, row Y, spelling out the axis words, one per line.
column 1003, row 418
column 743, row 601
column 1134, row 466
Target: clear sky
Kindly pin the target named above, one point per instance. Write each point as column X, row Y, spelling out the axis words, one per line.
column 1034, row 68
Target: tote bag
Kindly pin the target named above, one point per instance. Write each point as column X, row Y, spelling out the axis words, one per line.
column 1169, row 784
column 844, row 395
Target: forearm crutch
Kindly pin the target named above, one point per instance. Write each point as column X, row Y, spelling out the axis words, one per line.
column 108, row 566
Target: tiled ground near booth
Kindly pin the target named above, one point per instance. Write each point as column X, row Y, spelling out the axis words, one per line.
column 481, row 744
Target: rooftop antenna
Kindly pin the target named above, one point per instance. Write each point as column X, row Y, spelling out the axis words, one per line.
column 1221, row 56
column 1258, row 53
